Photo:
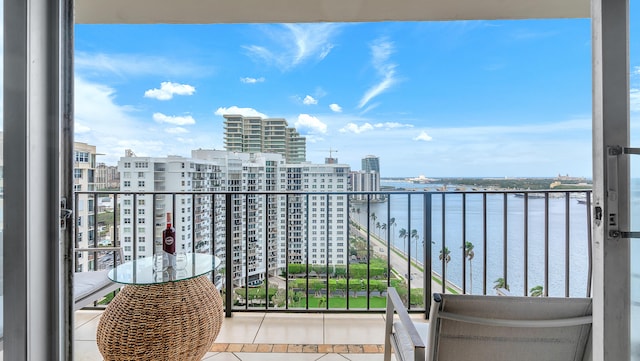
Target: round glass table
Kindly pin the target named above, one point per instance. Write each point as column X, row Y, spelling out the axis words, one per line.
column 171, row 314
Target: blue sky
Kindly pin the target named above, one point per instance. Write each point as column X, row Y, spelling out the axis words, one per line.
column 472, row 98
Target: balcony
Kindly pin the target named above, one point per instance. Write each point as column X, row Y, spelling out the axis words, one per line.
column 262, row 336
column 526, row 242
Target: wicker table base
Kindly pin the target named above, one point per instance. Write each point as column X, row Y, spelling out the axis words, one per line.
column 169, row 321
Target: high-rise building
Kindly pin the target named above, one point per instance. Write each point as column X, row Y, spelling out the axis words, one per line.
column 262, row 224
column 368, row 179
column 107, row 177
column 371, row 163
column 84, row 164
column 365, row 181
column 256, row 135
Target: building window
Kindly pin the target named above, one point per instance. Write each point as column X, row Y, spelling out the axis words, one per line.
column 141, row 230
column 141, row 221
column 140, row 183
column 141, row 211
column 140, row 174
column 127, row 239
column 127, row 184
column 77, row 173
column 141, row 164
column 127, row 202
column 127, row 211
column 141, row 248
column 142, row 239
column 141, row 202
column 127, row 221
column 82, row 157
column 127, row 248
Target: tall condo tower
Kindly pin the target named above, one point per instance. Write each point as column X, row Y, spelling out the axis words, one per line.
column 257, row 135
column 371, row 163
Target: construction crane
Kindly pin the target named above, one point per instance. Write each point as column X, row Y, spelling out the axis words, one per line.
column 331, row 151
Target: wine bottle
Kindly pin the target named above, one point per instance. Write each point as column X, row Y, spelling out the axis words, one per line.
column 169, row 243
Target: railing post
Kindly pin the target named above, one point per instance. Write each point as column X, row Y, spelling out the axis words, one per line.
column 228, row 252
column 427, row 253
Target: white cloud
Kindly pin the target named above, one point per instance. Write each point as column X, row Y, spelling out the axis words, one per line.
column 381, row 51
column 312, row 138
column 423, row 136
column 168, row 89
column 79, row 128
column 354, row 128
column 392, row 125
column 173, row 119
column 101, row 64
column 233, row 110
column 97, row 115
column 249, row 80
column 310, row 122
column 335, row 107
column 295, row 44
column 309, row 100
column 176, row 130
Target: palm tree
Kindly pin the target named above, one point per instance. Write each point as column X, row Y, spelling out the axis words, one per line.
column 383, row 227
column 500, row 283
column 537, row 291
column 378, row 227
column 414, row 235
column 403, row 234
column 392, row 223
column 445, row 255
column 468, row 254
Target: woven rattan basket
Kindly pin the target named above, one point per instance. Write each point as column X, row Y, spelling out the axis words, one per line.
column 170, row 321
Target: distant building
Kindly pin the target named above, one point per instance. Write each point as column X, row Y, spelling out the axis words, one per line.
column 107, row 177
column 256, row 135
column 371, row 163
column 367, row 180
column 84, row 164
column 262, row 225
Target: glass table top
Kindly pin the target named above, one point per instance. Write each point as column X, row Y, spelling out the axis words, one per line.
column 142, row 271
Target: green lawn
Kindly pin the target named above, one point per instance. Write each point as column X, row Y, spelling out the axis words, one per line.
column 341, row 302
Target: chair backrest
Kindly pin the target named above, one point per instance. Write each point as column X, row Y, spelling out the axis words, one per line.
column 505, row 328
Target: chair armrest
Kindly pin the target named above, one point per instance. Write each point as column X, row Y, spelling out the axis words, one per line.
column 405, row 327
column 103, row 249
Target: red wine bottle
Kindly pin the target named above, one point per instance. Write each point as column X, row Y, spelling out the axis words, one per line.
column 169, row 242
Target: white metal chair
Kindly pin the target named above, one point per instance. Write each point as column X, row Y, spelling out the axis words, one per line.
column 92, row 286
column 496, row 328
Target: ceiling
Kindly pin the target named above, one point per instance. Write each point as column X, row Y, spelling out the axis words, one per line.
column 290, row 11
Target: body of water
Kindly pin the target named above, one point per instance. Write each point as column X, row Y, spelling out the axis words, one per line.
column 447, row 229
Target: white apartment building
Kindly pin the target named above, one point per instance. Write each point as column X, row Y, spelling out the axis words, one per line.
column 84, row 163
column 264, row 229
column 317, row 223
column 365, row 181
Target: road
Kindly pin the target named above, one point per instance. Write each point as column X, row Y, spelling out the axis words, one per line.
column 399, row 263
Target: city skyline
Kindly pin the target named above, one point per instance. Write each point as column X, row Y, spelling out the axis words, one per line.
column 468, row 98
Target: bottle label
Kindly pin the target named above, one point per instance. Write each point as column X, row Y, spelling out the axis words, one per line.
column 168, row 241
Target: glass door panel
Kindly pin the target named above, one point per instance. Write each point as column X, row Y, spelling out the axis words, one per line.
column 634, row 81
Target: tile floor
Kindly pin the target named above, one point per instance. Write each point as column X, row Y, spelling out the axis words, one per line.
column 266, row 337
